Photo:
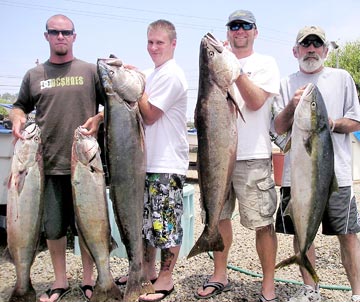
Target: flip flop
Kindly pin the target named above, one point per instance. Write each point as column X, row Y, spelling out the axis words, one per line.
column 263, row 299
column 120, row 283
column 218, row 289
column 60, row 291
column 83, row 290
column 160, row 291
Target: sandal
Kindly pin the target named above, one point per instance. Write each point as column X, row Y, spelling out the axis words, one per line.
column 164, row 292
column 120, row 283
column 83, row 290
column 263, row 299
column 59, row 291
column 218, row 289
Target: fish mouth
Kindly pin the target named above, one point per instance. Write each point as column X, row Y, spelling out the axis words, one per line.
column 214, row 42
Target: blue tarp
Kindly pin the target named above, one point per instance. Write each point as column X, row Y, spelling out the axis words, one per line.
column 357, row 135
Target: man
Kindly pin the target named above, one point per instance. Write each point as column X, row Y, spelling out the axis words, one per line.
column 257, row 84
column 66, row 93
column 339, row 93
column 163, row 108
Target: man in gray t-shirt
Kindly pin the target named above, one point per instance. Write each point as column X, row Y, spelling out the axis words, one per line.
column 339, row 93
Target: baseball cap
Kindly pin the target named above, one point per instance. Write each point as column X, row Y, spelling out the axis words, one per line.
column 241, row 15
column 310, row 30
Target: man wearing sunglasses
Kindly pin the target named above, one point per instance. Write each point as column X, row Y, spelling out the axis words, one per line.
column 66, row 93
column 340, row 96
column 258, row 83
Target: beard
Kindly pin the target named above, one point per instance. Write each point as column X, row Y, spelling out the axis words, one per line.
column 311, row 62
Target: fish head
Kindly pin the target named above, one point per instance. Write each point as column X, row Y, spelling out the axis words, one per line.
column 26, row 150
column 310, row 113
column 85, row 147
column 116, row 78
column 220, row 63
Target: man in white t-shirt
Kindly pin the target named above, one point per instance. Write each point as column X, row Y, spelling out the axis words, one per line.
column 339, row 93
column 252, row 181
column 163, row 108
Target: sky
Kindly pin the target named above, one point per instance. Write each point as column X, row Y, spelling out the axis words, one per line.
column 119, row 27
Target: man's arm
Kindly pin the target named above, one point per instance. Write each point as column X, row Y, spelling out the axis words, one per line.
column 344, row 125
column 149, row 112
column 254, row 97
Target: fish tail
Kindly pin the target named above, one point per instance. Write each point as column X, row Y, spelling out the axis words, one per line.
column 111, row 294
column 308, row 266
column 291, row 260
column 206, row 243
column 7, row 255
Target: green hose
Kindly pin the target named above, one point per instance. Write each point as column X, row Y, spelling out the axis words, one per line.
column 253, row 274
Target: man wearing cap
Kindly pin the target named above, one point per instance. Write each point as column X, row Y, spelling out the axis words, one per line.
column 252, row 181
column 338, row 90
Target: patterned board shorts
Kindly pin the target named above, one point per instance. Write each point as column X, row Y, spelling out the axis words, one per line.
column 163, row 208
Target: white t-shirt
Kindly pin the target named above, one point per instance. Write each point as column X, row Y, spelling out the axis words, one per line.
column 253, row 134
column 166, row 140
column 339, row 93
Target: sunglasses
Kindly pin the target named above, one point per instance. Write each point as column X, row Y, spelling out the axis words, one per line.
column 65, row 33
column 244, row 26
column 316, row 43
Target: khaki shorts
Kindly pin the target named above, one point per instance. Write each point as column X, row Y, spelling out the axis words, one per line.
column 254, row 188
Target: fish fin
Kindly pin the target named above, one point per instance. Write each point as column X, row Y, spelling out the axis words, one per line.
column 305, row 262
column 232, row 99
column 113, row 244
column 207, row 243
column 308, row 145
column 334, row 185
column 287, row 211
column 7, row 255
column 291, row 260
column 287, row 146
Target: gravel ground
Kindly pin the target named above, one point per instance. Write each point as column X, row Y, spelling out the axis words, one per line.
column 190, row 274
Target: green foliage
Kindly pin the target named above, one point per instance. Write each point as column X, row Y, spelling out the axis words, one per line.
column 348, row 58
column 190, row 125
column 4, row 111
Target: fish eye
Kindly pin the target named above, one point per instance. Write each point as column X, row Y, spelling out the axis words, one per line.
column 313, row 105
column 211, row 53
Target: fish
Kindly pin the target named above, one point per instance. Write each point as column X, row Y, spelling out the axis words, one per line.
column 126, row 161
column 215, row 120
column 313, row 180
column 91, row 211
column 25, row 206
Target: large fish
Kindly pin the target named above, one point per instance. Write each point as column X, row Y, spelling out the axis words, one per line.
column 215, row 119
column 312, row 173
column 25, row 209
column 125, row 154
column 91, row 211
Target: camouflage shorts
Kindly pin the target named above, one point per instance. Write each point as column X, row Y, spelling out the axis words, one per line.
column 163, row 208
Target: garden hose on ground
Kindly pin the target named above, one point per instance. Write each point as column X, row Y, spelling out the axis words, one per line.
column 253, row 274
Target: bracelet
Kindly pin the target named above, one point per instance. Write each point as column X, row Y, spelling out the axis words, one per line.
column 333, row 127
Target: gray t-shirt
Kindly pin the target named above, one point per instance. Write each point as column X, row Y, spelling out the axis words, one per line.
column 64, row 96
column 339, row 93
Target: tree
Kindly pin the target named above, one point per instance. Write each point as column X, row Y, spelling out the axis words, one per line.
column 348, row 58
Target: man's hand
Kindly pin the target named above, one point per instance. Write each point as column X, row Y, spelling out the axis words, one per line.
column 91, row 126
